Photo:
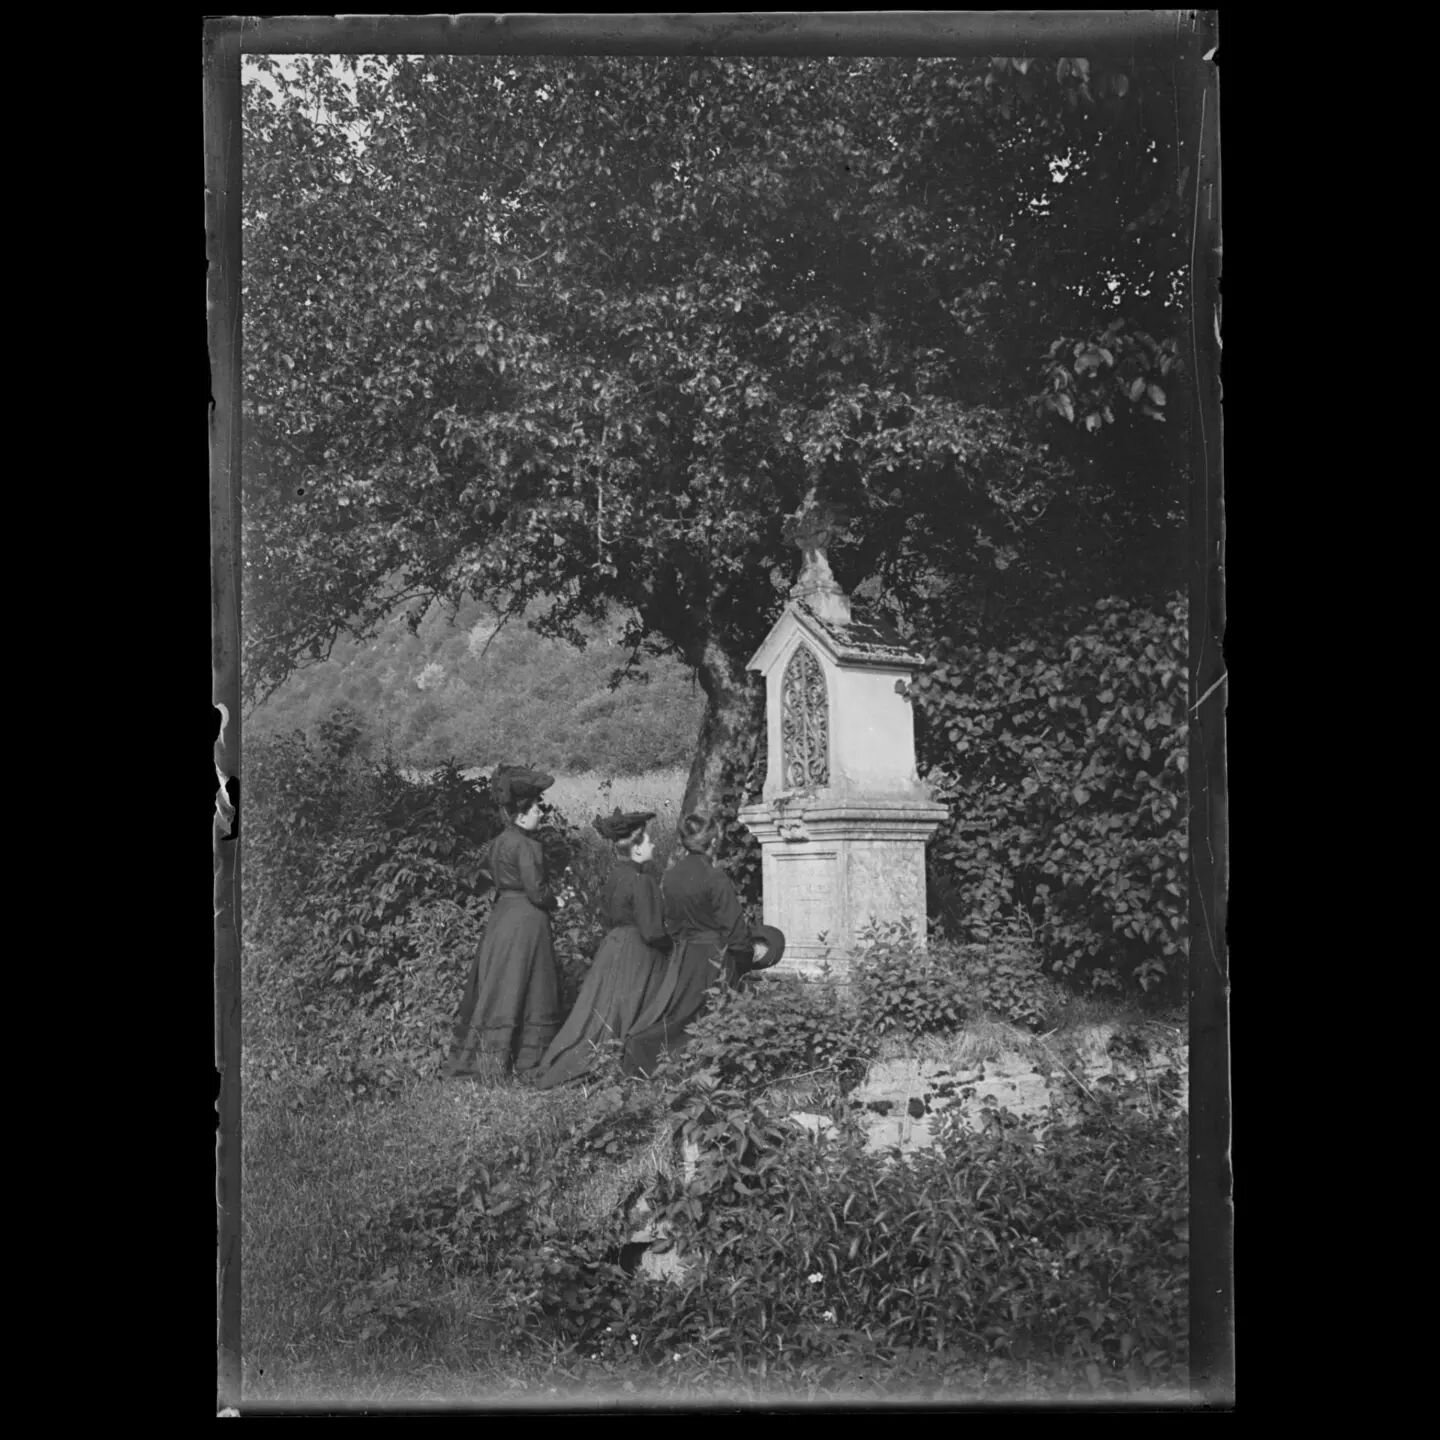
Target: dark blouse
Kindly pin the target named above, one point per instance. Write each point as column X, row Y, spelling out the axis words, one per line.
column 633, row 898
column 515, row 861
column 700, row 899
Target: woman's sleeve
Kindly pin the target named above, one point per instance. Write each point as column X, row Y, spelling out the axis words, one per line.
column 668, row 911
column 482, row 872
column 729, row 917
column 532, row 876
column 649, row 913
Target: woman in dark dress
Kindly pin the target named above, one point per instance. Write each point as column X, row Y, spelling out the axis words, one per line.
column 629, row 970
column 711, row 941
column 510, row 1011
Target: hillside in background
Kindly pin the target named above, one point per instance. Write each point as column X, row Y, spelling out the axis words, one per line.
column 460, row 688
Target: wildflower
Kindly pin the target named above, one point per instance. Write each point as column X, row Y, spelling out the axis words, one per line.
column 829, row 1316
column 816, row 1278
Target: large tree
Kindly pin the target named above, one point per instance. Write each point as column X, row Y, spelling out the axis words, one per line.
column 596, row 330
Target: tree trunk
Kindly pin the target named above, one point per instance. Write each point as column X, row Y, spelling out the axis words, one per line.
column 731, row 739
column 731, row 729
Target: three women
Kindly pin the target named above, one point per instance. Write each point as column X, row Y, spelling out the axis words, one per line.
column 666, row 949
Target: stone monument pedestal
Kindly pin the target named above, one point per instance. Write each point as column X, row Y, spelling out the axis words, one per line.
column 831, row 866
column 843, row 819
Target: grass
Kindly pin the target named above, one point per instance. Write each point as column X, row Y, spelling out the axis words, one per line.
column 331, row 1313
column 582, row 796
column 316, row 1279
column 312, row 1179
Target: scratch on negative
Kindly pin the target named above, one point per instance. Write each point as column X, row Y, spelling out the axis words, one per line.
column 1223, row 678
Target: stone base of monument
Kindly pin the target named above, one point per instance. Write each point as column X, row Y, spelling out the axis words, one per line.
column 900, row 1100
column 659, row 1260
column 831, row 867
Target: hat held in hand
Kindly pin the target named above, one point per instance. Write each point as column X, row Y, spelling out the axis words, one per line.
column 769, row 945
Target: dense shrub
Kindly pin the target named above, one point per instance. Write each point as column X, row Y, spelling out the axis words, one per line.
column 1062, row 759
column 986, row 1263
column 778, row 1026
column 902, row 988
column 364, row 904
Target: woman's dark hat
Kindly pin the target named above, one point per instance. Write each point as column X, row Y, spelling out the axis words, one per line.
column 622, row 822
column 518, row 784
column 698, row 832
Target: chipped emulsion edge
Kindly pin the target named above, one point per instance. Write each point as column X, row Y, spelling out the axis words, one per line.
column 224, row 809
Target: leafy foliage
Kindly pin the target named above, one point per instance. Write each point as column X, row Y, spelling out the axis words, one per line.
column 778, row 1026
column 989, row 1264
column 593, row 328
column 363, row 892
column 902, row 988
column 1062, row 758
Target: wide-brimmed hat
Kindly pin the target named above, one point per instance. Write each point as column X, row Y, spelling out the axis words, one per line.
column 621, row 823
column 519, row 784
column 773, row 940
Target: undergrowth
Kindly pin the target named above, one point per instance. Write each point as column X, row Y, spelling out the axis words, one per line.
column 407, row 1238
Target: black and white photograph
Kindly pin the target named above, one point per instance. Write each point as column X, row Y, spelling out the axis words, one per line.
column 718, row 609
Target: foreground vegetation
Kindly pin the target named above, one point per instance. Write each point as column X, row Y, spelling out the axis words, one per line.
column 405, row 1239
column 465, row 1242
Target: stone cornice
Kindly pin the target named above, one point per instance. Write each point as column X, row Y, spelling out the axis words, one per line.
column 898, row 819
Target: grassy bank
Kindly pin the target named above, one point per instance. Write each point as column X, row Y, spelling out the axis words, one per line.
column 366, row 1279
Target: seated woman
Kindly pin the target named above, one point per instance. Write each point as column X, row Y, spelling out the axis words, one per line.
column 510, row 1010
column 711, row 941
column 630, row 967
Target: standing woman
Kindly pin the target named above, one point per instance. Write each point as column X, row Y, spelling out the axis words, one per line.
column 510, row 1011
column 711, row 941
column 630, row 968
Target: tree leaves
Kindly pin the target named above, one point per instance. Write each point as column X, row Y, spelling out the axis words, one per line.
column 1063, row 761
column 603, row 329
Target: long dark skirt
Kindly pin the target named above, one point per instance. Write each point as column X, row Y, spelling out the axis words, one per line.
column 698, row 966
column 626, row 979
column 511, row 1008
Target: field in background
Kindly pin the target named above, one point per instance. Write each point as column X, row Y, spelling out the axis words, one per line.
column 581, row 797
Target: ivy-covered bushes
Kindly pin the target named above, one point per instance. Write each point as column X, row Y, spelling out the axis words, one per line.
column 778, row 1026
column 903, row 988
column 1062, row 758
column 364, row 906
column 988, row 1264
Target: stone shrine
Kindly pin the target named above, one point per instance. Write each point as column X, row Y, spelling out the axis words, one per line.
column 843, row 819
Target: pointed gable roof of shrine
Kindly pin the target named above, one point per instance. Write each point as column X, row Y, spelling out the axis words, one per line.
column 863, row 641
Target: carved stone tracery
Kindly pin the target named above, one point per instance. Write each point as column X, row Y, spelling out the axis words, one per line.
column 805, row 722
